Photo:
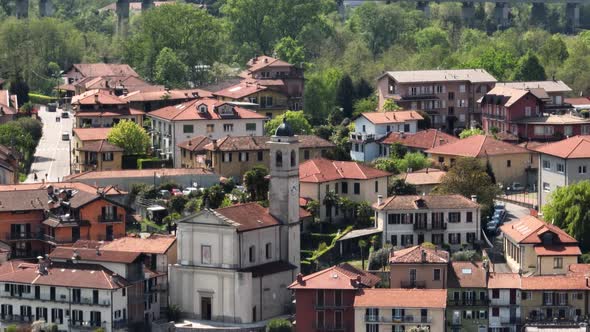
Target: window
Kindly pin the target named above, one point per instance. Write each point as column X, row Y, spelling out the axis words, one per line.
column 95, row 318
column 188, row 129
column 344, row 187
column 495, row 293
column 293, row 158
column 357, row 188
column 454, row 217
column 495, row 312
column 470, row 237
column 41, row 313
column 57, row 316
column 320, row 298
column 306, row 154
column 407, row 239
column 226, row 157
column 260, row 155
column 205, row 254
column 252, row 254
column 279, row 159
column 393, row 240
column 560, row 168
column 548, row 130
column 582, row 169
column 108, row 156
column 210, row 128
column 455, row 238
column 76, row 295
column 558, row 262
column 268, row 250
column 568, row 130
column 436, row 275
column 451, row 96
column 52, row 293
column 77, row 316
column 243, row 156
column 338, row 321
column 337, row 297
column 546, row 187
column 508, row 163
column 376, row 186
column 228, row 127
column 265, row 101
column 539, row 131
column 462, row 88
column 547, row 165
column 95, row 296
column 469, row 217
column 585, row 130
column 437, row 238
column 26, row 311
column 527, row 111
column 525, row 295
column 547, row 298
column 250, row 126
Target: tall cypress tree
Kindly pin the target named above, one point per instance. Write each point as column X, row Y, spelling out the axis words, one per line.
column 345, row 95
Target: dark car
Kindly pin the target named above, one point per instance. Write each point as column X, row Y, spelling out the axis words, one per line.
column 52, row 107
column 65, row 115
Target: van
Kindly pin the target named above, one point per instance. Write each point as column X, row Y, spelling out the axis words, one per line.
column 65, row 136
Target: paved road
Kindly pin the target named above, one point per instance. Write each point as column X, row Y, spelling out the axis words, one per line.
column 513, row 213
column 52, row 154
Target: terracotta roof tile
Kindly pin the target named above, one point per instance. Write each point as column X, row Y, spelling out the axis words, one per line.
column 104, row 69
column 583, row 269
column 578, row 101
column 562, row 282
column 136, row 173
column 424, row 176
column 248, row 216
column 196, row 143
column 24, row 200
column 91, row 134
column 504, row 281
column 100, row 146
column 441, row 75
column 570, row 148
column 106, row 113
column 240, row 90
column 155, row 244
column 467, row 275
column 416, row 202
column 91, row 255
column 529, row 229
column 549, row 86
column 418, row 255
column 322, row 170
column 504, row 96
column 97, row 97
column 477, row 146
column 190, row 111
column 56, row 185
column 392, row 117
column 424, row 139
column 558, row 250
column 158, row 95
column 264, row 61
column 342, row 276
column 258, row 143
column 401, row 298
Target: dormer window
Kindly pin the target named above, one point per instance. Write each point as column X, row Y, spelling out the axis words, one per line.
column 202, row 109
column 225, row 110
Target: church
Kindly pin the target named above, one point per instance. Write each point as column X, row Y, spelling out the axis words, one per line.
column 235, row 263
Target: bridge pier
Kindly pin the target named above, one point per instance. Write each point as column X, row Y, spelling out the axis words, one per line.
column 501, row 14
column 572, row 15
column 468, row 11
column 146, row 4
column 45, row 8
column 22, row 8
column 122, row 16
column 424, row 6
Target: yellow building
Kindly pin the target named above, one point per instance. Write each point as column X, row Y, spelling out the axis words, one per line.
column 265, row 101
column 533, row 246
column 510, row 163
column 92, row 152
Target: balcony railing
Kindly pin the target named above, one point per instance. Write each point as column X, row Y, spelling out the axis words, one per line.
column 29, row 296
column 360, row 137
column 85, row 325
column 119, row 324
column 20, row 236
column 398, row 319
column 439, row 226
column 420, row 226
column 470, row 302
column 17, row 318
column 111, row 218
column 67, row 239
column 413, row 284
column 493, row 116
column 328, row 327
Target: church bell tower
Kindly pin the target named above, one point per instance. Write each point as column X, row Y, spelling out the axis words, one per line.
column 284, row 190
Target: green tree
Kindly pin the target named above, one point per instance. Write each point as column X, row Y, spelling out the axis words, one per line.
column 32, row 126
column 413, row 160
column 345, row 95
column 362, row 89
column 470, row 132
column 290, row 50
column 365, row 105
column 331, row 200
column 468, row 177
column 364, row 213
column 320, row 94
column 296, row 120
column 129, row 136
column 213, row 196
column 177, row 203
column 430, row 37
column 386, row 164
column 20, row 88
column 390, row 106
column 529, row 68
column 401, row 187
column 170, row 71
column 553, row 53
column 279, row 325
column 500, row 63
column 569, row 209
column 362, row 245
column 256, row 183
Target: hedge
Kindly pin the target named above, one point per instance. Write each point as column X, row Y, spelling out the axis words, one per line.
column 36, row 98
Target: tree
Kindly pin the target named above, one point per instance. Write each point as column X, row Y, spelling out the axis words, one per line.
column 345, row 95
column 390, row 106
column 320, row 93
column 129, row 136
column 256, row 183
column 490, row 172
column 170, row 71
column 412, row 161
column 20, row 88
column 331, row 200
column 553, row 53
column 296, row 120
column 471, row 132
column 362, row 245
column 364, row 213
column 380, row 259
column 214, row 196
column 290, row 50
column 401, row 187
column 32, row 126
column 468, row 177
column 569, row 209
column 529, row 68
column 279, row 325
column 362, row 89
column 397, row 150
column 364, row 105
column 386, row 164
column 177, row 203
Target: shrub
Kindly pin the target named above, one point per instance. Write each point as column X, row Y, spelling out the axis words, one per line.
column 466, row 256
column 279, row 325
column 379, row 259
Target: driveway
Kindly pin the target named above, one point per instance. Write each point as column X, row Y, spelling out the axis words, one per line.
column 51, row 160
column 496, row 254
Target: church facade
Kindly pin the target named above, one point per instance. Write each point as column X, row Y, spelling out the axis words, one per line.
column 235, row 263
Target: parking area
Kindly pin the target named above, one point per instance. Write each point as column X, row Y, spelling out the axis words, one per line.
column 496, row 254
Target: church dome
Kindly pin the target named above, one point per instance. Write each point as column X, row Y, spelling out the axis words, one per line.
column 284, row 129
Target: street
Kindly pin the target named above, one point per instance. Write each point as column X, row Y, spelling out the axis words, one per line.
column 513, row 213
column 52, row 154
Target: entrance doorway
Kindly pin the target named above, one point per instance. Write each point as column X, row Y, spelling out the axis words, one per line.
column 206, row 308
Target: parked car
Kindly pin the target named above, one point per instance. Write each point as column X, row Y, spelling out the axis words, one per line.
column 165, row 194
column 52, row 107
column 65, row 115
column 176, row 192
column 492, row 227
column 65, row 136
column 499, row 215
column 189, row 190
column 516, row 186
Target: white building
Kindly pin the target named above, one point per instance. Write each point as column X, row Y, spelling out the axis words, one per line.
column 205, row 117
column 504, row 295
column 414, row 219
column 75, row 297
column 236, row 262
column 370, row 127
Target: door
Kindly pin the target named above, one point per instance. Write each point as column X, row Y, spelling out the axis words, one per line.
column 109, row 233
column 420, row 238
column 75, row 234
column 206, row 308
column 513, row 296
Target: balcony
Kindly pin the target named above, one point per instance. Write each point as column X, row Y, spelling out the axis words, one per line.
column 86, row 325
column 17, row 318
column 413, row 284
column 21, row 236
column 493, row 116
column 62, row 299
column 439, row 226
column 470, row 302
column 53, row 239
column 111, row 218
column 120, row 324
column 420, row 226
column 398, row 319
column 328, row 327
column 429, row 227
column 360, row 137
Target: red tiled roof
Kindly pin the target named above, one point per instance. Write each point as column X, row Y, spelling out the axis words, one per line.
column 342, row 276
column 196, row 143
column 190, row 111
column 109, row 113
column 240, row 90
column 577, row 101
column 392, row 117
column 425, row 176
column 562, row 282
column 424, row 139
column 505, row 95
column 155, row 244
column 263, row 61
column 97, row 97
column 56, row 185
column 248, row 216
column 467, row 275
column 415, row 255
column 477, row 146
column 504, row 281
column 322, row 170
column 579, row 269
column 558, row 250
column 529, row 230
column 258, row 143
column 136, row 173
column 104, row 69
column 570, row 148
column 24, row 200
column 100, row 146
column 91, row 255
column 91, row 134
column 166, row 94
column 401, row 298
column 416, row 202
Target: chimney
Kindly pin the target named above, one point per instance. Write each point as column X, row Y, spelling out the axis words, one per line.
column 474, row 198
column 97, row 250
column 299, row 278
column 587, row 282
column 379, row 200
column 423, row 256
column 427, row 170
column 96, row 98
column 214, row 141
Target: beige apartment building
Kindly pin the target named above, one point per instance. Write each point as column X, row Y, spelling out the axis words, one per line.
column 448, row 96
column 92, row 152
column 418, row 267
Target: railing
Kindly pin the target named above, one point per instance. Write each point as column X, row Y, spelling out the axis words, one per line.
column 87, row 324
column 493, row 116
column 469, row 302
column 111, row 218
column 63, row 217
column 420, row 226
column 413, row 284
column 362, row 137
column 70, row 239
column 398, row 319
column 17, row 318
column 327, row 327
column 23, row 236
column 119, row 324
column 439, row 226
column 30, row 296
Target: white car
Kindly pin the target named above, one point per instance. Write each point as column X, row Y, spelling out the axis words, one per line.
column 189, row 190
column 516, row 186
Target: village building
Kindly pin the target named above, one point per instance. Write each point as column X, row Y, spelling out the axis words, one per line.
column 91, row 151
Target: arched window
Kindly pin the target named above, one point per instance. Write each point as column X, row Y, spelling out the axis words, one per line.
column 279, row 159
column 293, row 161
